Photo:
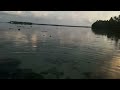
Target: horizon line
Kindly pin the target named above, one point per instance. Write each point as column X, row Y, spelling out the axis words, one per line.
column 51, row 24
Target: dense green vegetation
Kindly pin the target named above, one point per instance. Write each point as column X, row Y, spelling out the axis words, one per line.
column 112, row 23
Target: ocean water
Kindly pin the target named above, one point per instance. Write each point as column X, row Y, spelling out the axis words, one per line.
column 57, row 52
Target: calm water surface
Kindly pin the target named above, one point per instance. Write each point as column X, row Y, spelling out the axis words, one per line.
column 60, row 52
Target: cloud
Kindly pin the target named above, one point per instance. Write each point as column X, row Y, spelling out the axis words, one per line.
column 41, row 13
column 66, row 17
column 14, row 12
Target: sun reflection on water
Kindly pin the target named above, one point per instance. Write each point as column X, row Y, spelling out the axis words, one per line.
column 34, row 40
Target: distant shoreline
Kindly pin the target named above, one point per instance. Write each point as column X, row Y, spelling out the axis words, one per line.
column 29, row 23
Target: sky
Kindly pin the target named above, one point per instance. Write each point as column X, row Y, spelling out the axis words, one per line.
column 85, row 18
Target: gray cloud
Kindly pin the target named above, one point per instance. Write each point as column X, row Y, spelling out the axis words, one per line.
column 58, row 17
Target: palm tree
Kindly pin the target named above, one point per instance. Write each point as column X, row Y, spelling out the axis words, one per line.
column 111, row 19
column 119, row 18
column 116, row 18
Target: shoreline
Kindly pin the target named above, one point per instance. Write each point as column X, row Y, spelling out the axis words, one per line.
column 29, row 23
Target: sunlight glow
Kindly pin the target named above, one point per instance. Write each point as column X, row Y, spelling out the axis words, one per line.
column 34, row 40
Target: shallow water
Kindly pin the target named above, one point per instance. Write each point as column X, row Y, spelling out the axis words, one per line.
column 61, row 52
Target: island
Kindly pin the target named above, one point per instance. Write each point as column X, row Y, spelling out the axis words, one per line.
column 109, row 28
column 30, row 23
column 22, row 23
column 112, row 23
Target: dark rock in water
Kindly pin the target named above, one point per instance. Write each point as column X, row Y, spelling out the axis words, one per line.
column 19, row 29
column 50, row 36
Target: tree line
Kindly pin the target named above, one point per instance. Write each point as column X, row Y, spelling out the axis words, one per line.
column 112, row 23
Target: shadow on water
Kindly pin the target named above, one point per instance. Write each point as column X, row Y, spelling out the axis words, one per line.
column 113, row 34
column 9, row 69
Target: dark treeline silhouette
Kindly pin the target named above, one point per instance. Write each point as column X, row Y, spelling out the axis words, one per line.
column 29, row 23
column 112, row 23
column 22, row 23
column 109, row 28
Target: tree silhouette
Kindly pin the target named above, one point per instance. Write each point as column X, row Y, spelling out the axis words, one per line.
column 112, row 23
